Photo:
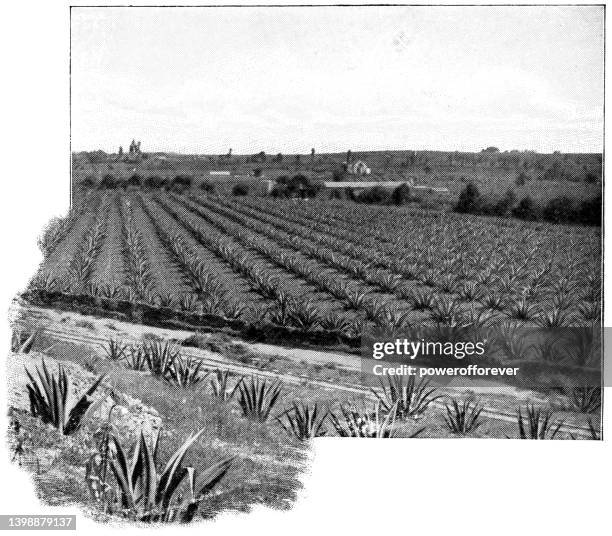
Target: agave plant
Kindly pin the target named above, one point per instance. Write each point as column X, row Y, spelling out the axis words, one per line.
column 48, row 396
column 554, row 317
column 584, row 347
column 463, row 418
column 304, row 421
column 115, row 350
column 305, row 315
column 135, row 357
column 185, row 372
column 355, row 299
column 537, row 424
column 409, row 397
column 470, row 291
column 335, row 322
column 583, row 398
column 521, row 309
column 511, row 341
column 354, row 422
column 257, row 397
column 233, row 310
column 161, row 357
column 219, row 385
column 150, row 495
column 421, row 301
column 445, row 310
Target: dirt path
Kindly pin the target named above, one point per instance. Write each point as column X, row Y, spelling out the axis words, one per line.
column 499, row 400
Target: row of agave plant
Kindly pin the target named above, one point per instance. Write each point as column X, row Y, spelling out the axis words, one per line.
column 437, row 265
column 476, row 255
column 82, row 265
column 54, row 236
column 507, row 295
column 444, row 310
column 478, row 241
column 140, row 280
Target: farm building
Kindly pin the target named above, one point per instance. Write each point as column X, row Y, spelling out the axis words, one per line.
column 217, row 173
column 359, row 167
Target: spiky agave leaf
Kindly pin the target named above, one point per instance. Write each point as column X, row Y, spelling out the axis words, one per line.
column 463, row 418
column 304, row 421
column 48, row 396
column 410, row 397
column 257, row 397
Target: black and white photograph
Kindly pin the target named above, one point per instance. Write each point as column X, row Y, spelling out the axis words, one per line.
column 251, row 233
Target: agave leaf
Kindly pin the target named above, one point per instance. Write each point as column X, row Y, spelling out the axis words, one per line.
column 122, row 474
column 173, row 473
column 77, row 413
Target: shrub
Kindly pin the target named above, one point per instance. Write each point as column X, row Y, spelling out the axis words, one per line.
column 208, row 187
column 240, row 189
column 181, row 183
column 521, row 178
column 337, row 175
column 591, row 177
column 401, row 195
column 590, row 211
column 525, row 210
column 257, row 172
column 154, row 181
column 108, row 181
column 373, row 195
column 135, row 180
column 280, row 191
column 505, row 205
column 88, row 182
column 469, row 201
column 560, row 210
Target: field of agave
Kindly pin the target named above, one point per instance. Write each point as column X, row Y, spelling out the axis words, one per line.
column 321, row 266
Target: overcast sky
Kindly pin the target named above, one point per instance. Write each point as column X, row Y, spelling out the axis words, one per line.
column 203, row 80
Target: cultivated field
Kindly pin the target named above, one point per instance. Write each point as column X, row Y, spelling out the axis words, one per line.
column 319, row 266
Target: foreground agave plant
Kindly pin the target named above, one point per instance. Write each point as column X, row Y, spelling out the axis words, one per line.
column 355, row 423
column 409, row 398
column 152, row 496
column 257, row 398
column 538, row 424
column 49, row 399
column 304, row 421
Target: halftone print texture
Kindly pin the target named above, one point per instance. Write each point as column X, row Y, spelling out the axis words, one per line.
column 199, row 318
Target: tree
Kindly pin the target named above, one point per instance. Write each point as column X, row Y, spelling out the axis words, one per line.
column 521, row 178
column 469, row 201
column 525, row 210
column 560, row 210
column 240, row 189
column 401, row 195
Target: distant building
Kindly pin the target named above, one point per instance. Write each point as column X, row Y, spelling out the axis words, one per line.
column 219, row 173
column 359, row 167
